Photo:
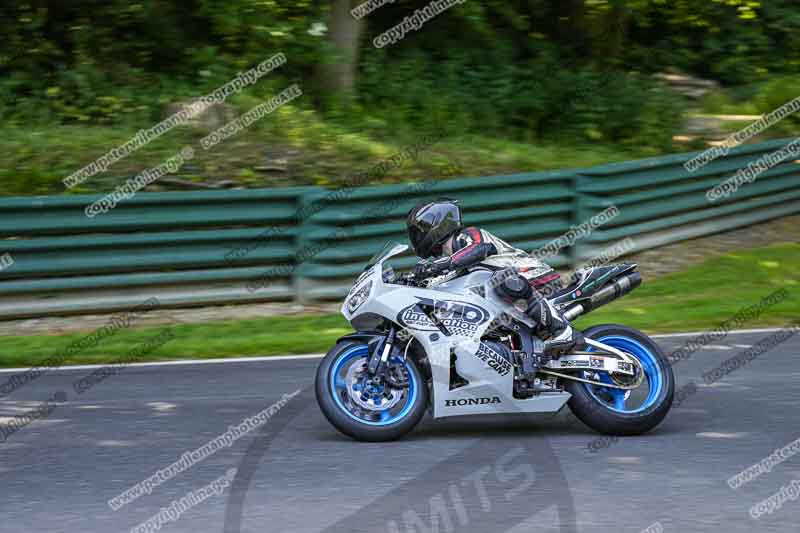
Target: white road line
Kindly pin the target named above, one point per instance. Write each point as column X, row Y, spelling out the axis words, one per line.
column 181, row 362
column 698, row 333
column 319, row 355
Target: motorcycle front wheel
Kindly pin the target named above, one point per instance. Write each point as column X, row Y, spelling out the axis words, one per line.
column 613, row 411
column 362, row 408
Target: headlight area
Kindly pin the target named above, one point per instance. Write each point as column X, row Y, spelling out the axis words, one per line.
column 359, row 297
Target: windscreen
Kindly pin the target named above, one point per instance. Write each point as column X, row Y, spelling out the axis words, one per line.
column 390, row 248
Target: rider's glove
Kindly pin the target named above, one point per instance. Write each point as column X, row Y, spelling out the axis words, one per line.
column 422, row 268
column 427, row 267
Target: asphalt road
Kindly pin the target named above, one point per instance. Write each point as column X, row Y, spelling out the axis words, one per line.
column 487, row 474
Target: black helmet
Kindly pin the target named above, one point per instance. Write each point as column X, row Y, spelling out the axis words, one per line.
column 430, row 224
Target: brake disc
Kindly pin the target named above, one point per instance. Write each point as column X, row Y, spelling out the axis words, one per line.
column 370, row 394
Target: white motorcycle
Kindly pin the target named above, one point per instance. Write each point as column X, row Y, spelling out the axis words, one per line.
column 451, row 345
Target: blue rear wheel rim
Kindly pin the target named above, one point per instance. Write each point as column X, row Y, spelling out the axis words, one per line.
column 338, row 386
column 614, row 399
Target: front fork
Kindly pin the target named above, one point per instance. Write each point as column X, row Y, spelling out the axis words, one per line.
column 380, row 350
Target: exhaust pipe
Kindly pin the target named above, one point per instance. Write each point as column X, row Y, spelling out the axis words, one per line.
column 618, row 288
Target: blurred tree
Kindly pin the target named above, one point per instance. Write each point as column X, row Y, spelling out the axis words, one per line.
column 523, row 69
column 339, row 72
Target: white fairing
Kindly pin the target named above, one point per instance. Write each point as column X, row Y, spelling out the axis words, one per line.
column 467, row 315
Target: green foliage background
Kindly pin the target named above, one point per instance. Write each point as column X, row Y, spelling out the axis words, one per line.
column 562, row 71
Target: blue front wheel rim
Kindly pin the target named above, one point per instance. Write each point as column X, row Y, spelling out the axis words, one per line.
column 340, row 390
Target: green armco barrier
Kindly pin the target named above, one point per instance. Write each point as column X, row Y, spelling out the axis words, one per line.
column 178, row 247
column 307, row 243
column 660, row 202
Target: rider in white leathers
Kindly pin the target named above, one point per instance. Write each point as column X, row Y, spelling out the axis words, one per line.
column 435, row 229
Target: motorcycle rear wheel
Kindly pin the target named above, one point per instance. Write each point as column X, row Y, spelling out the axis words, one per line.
column 604, row 409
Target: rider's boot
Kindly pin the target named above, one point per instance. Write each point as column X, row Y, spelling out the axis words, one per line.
column 563, row 337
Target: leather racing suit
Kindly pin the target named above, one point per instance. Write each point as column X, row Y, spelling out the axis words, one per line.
column 524, row 278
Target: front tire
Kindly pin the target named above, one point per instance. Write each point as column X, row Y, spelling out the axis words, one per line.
column 602, row 409
column 366, row 420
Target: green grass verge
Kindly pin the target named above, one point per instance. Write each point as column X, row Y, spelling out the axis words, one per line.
column 706, row 295
column 697, row 299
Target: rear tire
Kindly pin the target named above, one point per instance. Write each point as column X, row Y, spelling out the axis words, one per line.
column 348, row 422
column 600, row 416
